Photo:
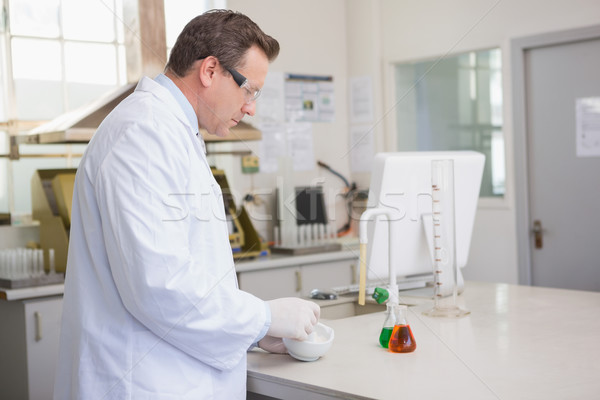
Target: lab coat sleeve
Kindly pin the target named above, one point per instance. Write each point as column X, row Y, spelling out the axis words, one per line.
column 192, row 303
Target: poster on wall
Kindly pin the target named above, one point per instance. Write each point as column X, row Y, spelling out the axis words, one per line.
column 361, row 148
column 309, row 98
column 270, row 108
column 300, row 145
column 361, row 99
column 272, row 146
column 292, row 140
column 587, row 116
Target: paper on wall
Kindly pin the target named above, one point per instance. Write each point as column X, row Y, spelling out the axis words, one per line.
column 272, row 146
column 300, row 145
column 587, row 117
column 361, row 99
column 361, row 148
column 292, row 139
column 271, row 106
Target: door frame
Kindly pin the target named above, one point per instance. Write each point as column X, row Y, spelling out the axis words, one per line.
column 518, row 47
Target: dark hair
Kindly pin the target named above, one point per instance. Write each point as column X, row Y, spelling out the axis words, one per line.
column 224, row 34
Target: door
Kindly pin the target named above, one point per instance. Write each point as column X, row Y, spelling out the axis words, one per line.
column 563, row 188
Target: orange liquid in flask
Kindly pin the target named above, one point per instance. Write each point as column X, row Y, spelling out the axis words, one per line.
column 402, row 340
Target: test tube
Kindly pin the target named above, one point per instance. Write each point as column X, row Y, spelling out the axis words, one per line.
column 3, row 265
column 15, row 264
column 33, row 262
column 22, row 263
column 51, row 261
column 301, row 235
column 332, row 233
column 40, row 256
column 276, row 238
column 11, row 258
column 8, row 269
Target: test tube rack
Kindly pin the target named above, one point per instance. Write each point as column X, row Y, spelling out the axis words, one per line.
column 47, row 279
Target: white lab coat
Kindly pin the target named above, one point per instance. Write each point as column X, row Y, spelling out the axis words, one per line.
column 151, row 304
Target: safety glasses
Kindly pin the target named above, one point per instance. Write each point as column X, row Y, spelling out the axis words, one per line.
column 250, row 94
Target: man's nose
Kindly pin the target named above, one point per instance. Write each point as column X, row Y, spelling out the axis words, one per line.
column 250, row 108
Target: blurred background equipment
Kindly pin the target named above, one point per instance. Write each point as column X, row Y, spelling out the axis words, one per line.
column 51, row 199
column 244, row 239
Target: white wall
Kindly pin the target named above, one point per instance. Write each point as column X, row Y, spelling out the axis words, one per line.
column 356, row 37
column 312, row 36
column 429, row 29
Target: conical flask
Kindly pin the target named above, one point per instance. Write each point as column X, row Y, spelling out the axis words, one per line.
column 402, row 339
column 388, row 325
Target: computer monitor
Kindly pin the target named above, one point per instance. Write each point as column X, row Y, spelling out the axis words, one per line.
column 403, row 181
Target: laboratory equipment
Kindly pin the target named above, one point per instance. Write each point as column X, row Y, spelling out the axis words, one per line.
column 393, row 218
column 51, row 198
column 402, row 339
column 354, row 202
column 403, row 282
column 402, row 182
column 303, row 223
column 445, row 271
column 319, row 294
column 311, row 349
column 388, row 325
column 5, row 218
column 310, row 205
column 380, row 295
column 24, row 267
column 244, row 239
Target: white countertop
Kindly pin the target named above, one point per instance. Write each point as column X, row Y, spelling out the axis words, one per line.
column 519, row 342
column 32, row 292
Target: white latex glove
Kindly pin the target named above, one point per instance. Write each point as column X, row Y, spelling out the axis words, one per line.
column 293, row 318
column 272, row 345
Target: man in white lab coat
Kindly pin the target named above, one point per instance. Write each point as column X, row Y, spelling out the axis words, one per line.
column 151, row 306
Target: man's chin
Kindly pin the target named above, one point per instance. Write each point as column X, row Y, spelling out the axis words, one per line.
column 223, row 132
column 220, row 131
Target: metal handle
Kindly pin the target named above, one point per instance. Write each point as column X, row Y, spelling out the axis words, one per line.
column 538, row 233
column 38, row 326
column 353, row 272
column 298, row 281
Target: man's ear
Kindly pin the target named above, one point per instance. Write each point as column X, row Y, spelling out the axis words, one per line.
column 207, row 70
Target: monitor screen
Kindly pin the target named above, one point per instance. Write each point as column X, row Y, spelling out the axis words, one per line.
column 403, row 181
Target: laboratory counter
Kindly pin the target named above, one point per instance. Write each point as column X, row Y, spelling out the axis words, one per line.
column 284, row 260
column 519, row 342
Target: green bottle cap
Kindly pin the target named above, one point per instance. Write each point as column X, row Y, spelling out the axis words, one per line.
column 380, row 295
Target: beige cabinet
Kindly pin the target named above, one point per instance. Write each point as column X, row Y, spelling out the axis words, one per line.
column 29, row 340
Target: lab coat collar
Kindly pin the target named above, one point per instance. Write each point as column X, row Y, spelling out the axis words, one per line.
column 171, row 101
column 183, row 102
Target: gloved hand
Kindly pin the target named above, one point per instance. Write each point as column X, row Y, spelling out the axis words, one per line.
column 272, row 345
column 292, row 317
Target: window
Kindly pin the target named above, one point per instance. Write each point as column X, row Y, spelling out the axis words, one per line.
column 454, row 103
column 179, row 12
column 58, row 55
